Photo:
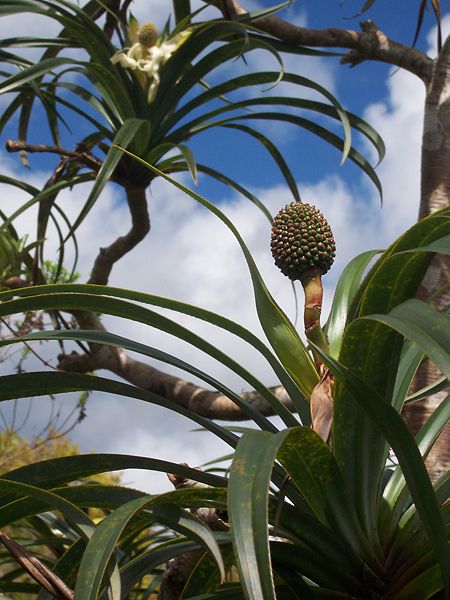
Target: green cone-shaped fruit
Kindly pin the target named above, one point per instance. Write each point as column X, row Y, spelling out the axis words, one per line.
column 302, row 241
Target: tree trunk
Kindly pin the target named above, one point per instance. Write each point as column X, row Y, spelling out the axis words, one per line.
column 435, row 194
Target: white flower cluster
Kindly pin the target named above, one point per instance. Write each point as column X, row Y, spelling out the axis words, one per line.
column 149, row 59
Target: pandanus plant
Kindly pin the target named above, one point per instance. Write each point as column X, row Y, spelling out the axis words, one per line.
column 352, row 514
column 307, row 511
column 151, row 93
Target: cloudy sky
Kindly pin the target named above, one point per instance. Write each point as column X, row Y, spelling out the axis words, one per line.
column 191, row 256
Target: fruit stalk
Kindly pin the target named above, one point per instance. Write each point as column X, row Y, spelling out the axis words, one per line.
column 312, row 286
column 303, row 248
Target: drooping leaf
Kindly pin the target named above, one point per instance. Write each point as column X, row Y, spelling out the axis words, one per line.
column 279, row 330
column 174, row 305
column 134, row 312
column 100, row 337
column 72, row 513
column 427, row 328
column 33, row 72
column 65, row 469
column 396, row 493
column 276, row 155
column 125, row 137
column 359, row 446
column 43, row 383
column 367, row 4
column 101, row 545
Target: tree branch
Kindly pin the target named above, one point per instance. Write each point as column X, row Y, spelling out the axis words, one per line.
column 83, row 157
column 206, row 403
column 140, row 226
column 368, row 44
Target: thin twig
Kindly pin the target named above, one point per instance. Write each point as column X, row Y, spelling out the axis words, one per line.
column 27, row 345
column 85, row 158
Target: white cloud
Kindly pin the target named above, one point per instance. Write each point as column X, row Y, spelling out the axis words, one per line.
column 399, row 121
column 432, row 35
column 191, row 256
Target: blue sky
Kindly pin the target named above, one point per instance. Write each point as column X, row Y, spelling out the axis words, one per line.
column 190, row 256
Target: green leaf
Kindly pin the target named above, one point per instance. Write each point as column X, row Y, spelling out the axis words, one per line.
column 289, row 559
column 408, row 255
column 82, row 93
column 372, row 351
column 440, row 385
column 410, row 359
column 344, row 294
column 50, row 500
column 318, row 130
column 177, row 79
column 67, row 566
column 367, row 4
column 276, row 155
column 322, row 547
column 205, row 577
column 440, row 246
column 101, row 545
column 279, row 330
column 65, row 469
column 103, row 337
column 395, row 431
column 182, row 9
column 46, row 197
column 248, row 510
column 43, row 383
column 423, row 587
column 395, row 493
column 112, row 306
column 190, row 161
column 310, row 463
column 334, row 110
column 133, row 571
column 174, row 305
column 33, row 72
column 427, row 328
column 235, row 185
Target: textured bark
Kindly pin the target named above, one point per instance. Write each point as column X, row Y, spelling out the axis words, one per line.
column 368, row 44
column 140, row 226
column 204, row 402
column 435, row 194
column 435, row 180
column 177, row 573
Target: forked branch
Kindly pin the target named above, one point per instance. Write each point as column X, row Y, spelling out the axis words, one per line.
column 368, row 44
